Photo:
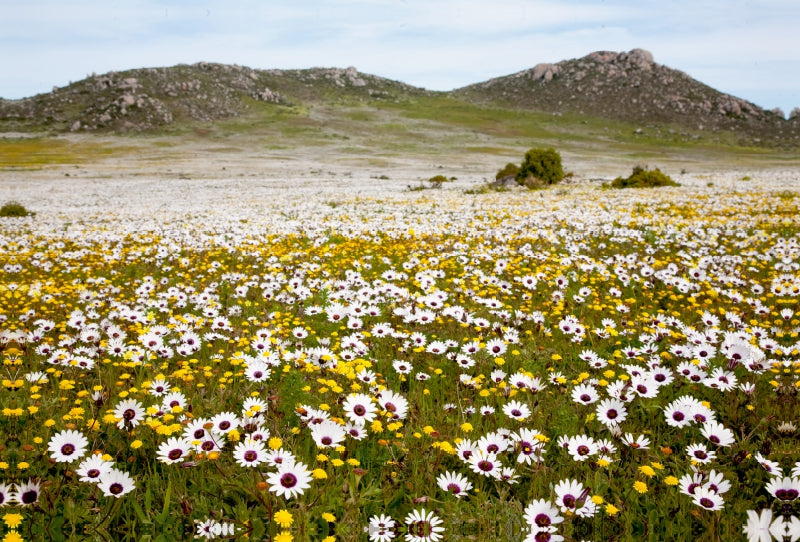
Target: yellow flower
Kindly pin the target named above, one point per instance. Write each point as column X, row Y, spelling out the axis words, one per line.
column 337, row 462
column 466, row 427
column 640, row 486
column 136, row 444
column 647, row 470
column 13, row 536
column 319, row 474
column 285, row 536
column 611, row 510
column 275, row 443
column 330, row 518
column 283, row 518
column 329, row 539
column 22, row 465
column 12, row 520
column 597, row 499
column 671, row 481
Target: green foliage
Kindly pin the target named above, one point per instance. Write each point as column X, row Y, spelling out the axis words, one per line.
column 437, row 180
column 14, row 208
column 510, row 170
column 541, row 167
column 641, row 177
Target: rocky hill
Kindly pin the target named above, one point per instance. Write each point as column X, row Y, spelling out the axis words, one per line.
column 628, row 87
column 145, row 99
column 632, row 87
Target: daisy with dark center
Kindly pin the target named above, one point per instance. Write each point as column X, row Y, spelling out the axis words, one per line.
column 116, row 483
column 92, row 468
column 257, row 371
column 250, row 453
column 677, row 414
column 611, row 411
column 454, row 483
column 485, row 463
column 584, row 394
column 355, row 430
column 423, row 526
column 130, row 413
column 67, row 446
column 708, row 499
column 466, row 449
column 359, row 407
column 197, row 430
column 529, row 445
column 381, row 528
column 772, row 467
column 581, row 447
column 718, row 434
column 291, row 480
column 700, row 454
column 27, row 493
column 689, row 483
column 786, row 489
column 570, row 495
column 394, row 404
column 541, row 515
column 516, row 410
column 328, row 434
column 224, row 422
column 159, row 387
column 173, row 450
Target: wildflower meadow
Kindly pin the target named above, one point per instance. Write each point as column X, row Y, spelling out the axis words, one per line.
column 245, row 360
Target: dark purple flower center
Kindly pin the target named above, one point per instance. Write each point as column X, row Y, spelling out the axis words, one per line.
column 29, row 497
column 787, row 494
column 116, row 488
column 288, row 480
column 68, row 449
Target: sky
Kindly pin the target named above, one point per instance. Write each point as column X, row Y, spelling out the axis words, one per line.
column 747, row 49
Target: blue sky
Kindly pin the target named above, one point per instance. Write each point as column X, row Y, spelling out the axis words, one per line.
column 747, row 49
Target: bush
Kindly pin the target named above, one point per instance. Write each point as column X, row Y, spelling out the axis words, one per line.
column 540, row 167
column 14, row 208
column 510, row 170
column 641, row 177
column 437, row 180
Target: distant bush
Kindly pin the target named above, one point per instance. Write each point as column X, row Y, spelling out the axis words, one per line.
column 14, row 208
column 641, row 177
column 510, row 170
column 437, row 180
column 541, row 167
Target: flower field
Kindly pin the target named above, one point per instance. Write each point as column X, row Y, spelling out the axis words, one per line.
column 224, row 360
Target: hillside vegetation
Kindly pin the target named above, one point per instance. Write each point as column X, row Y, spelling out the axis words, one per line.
column 623, row 103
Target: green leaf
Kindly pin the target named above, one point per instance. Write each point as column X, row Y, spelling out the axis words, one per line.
column 165, row 511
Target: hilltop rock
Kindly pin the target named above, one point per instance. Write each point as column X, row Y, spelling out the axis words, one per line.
column 632, row 87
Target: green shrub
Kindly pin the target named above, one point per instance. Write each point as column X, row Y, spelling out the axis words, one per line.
column 641, row 177
column 540, row 167
column 437, row 180
column 510, row 170
column 14, row 208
